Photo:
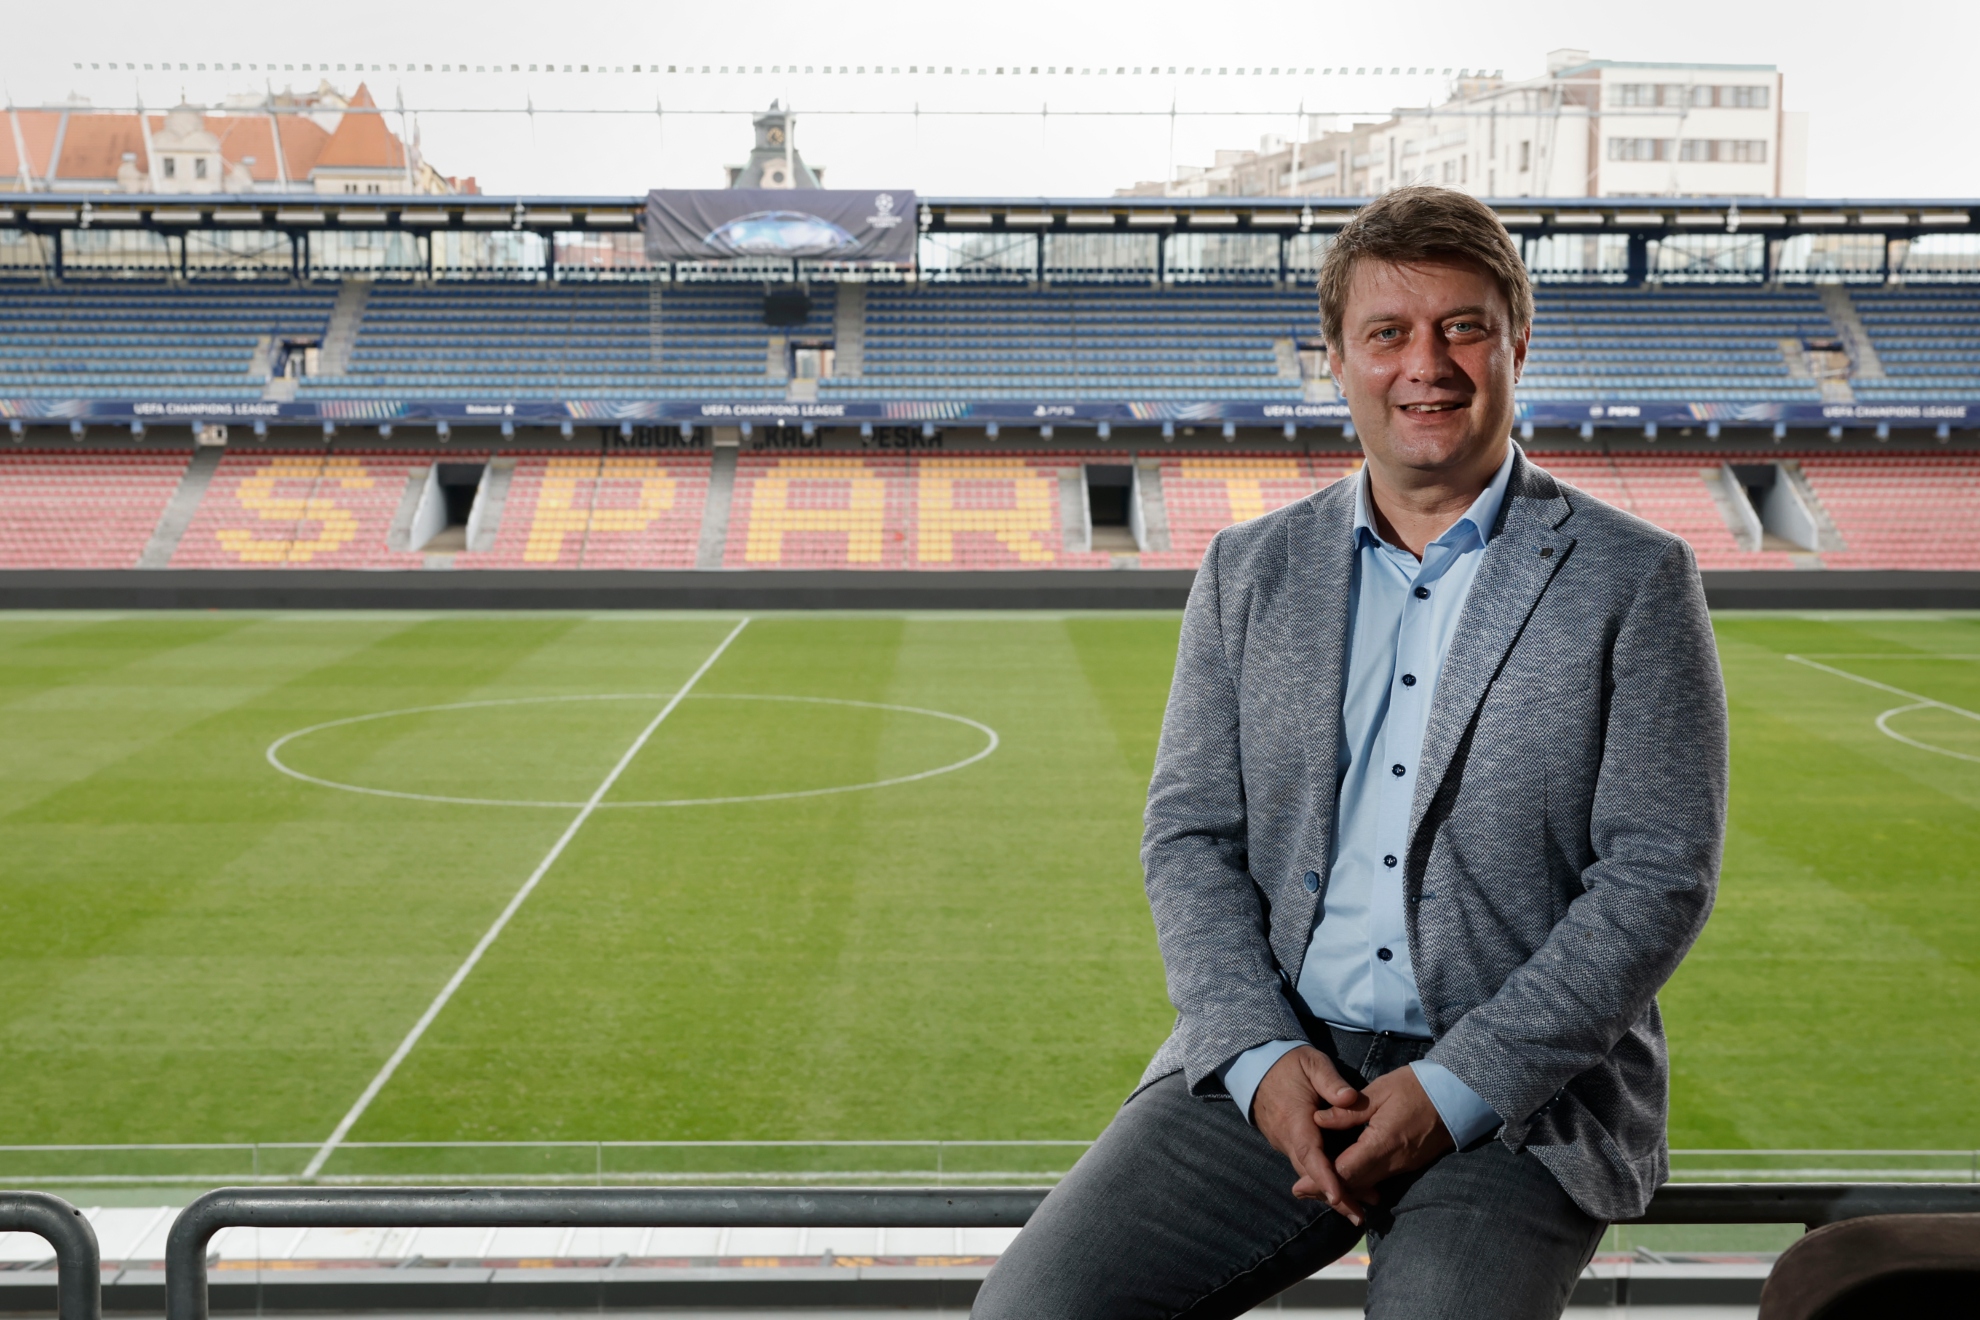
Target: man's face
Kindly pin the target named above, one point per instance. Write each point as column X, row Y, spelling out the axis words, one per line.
column 1427, row 361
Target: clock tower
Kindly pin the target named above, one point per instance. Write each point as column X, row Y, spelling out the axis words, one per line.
column 774, row 162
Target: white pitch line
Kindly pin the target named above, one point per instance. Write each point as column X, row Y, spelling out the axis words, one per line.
column 1922, row 703
column 460, row 975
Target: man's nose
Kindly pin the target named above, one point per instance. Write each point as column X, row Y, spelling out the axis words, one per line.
column 1428, row 357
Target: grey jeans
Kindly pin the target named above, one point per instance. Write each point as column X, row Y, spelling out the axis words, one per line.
column 1182, row 1209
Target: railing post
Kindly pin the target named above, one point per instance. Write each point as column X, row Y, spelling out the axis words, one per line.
column 79, row 1267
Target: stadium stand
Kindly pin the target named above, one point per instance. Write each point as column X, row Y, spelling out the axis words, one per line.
column 89, row 509
column 599, row 511
column 1927, row 340
column 1695, row 344
column 270, row 508
column 1668, row 490
column 941, row 511
column 300, row 509
column 927, row 342
column 1204, row 493
column 586, row 348
column 1914, row 511
column 949, row 342
column 116, row 341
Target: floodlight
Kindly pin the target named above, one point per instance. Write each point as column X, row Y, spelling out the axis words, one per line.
column 1649, row 430
column 1711, row 430
column 566, row 430
column 1230, row 430
column 1526, row 430
column 1780, row 432
column 1588, row 430
column 1106, row 431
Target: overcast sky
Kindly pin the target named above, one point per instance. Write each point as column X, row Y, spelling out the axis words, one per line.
column 1888, row 90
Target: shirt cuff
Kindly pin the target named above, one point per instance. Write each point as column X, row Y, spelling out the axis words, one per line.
column 1466, row 1117
column 1242, row 1075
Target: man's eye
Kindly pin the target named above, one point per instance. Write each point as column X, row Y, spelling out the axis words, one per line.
column 1463, row 327
column 1389, row 333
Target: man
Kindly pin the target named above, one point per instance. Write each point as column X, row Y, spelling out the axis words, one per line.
column 1438, row 808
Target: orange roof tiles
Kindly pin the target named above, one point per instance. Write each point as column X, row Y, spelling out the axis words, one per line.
column 362, row 141
column 37, row 133
column 94, row 143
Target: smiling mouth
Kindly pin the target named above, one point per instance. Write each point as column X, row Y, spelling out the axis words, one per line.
column 1431, row 407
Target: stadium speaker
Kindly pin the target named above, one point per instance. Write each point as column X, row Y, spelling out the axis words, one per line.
column 787, row 304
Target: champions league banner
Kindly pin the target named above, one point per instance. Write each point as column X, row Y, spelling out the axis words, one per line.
column 834, row 224
column 964, row 413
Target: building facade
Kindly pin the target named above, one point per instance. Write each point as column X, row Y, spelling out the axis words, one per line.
column 315, row 142
column 1588, row 128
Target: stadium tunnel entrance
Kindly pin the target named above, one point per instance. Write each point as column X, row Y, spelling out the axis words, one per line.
column 1110, row 507
column 1777, row 513
column 443, row 521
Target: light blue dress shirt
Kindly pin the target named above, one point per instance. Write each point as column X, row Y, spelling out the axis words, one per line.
column 1357, row 972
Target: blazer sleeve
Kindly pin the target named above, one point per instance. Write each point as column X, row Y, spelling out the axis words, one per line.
column 1657, row 830
column 1210, row 919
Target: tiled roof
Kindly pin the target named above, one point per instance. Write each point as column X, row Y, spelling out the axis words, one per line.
column 94, row 143
column 362, row 141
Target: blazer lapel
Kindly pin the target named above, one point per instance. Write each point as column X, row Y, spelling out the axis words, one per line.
column 1321, row 554
column 1517, row 566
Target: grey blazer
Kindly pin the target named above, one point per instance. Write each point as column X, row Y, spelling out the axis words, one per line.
column 1564, row 841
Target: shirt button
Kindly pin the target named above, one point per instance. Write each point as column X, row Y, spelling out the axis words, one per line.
column 1390, row 860
column 1397, row 770
column 1423, row 593
column 1409, row 680
column 1312, row 882
column 1384, row 954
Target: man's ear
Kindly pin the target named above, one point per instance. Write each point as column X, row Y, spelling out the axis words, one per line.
column 1521, row 342
column 1334, row 369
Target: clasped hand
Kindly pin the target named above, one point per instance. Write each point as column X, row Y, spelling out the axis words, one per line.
column 1304, row 1097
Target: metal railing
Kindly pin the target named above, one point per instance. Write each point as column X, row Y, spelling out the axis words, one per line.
column 79, row 1277
column 79, row 1287
column 1808, row 1204
column 551, row 1207
column 198, row 1166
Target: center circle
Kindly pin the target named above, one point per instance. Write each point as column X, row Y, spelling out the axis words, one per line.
column 1884, row 726
column 275, row 749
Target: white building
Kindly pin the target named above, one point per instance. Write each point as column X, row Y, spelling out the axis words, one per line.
column 1588, row 128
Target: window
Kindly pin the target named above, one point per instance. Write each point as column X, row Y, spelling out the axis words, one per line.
column 199, row 167
column 1638, row 95
column 1525, row 157
column 171, row 167
column 1641, row 148
column 1678, row 95
column 1729, row 151
column 1450, row 171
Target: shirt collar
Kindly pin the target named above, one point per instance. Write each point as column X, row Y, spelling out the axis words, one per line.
column 1478, row 520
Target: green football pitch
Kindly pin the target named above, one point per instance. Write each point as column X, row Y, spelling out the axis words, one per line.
column 873, row 878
